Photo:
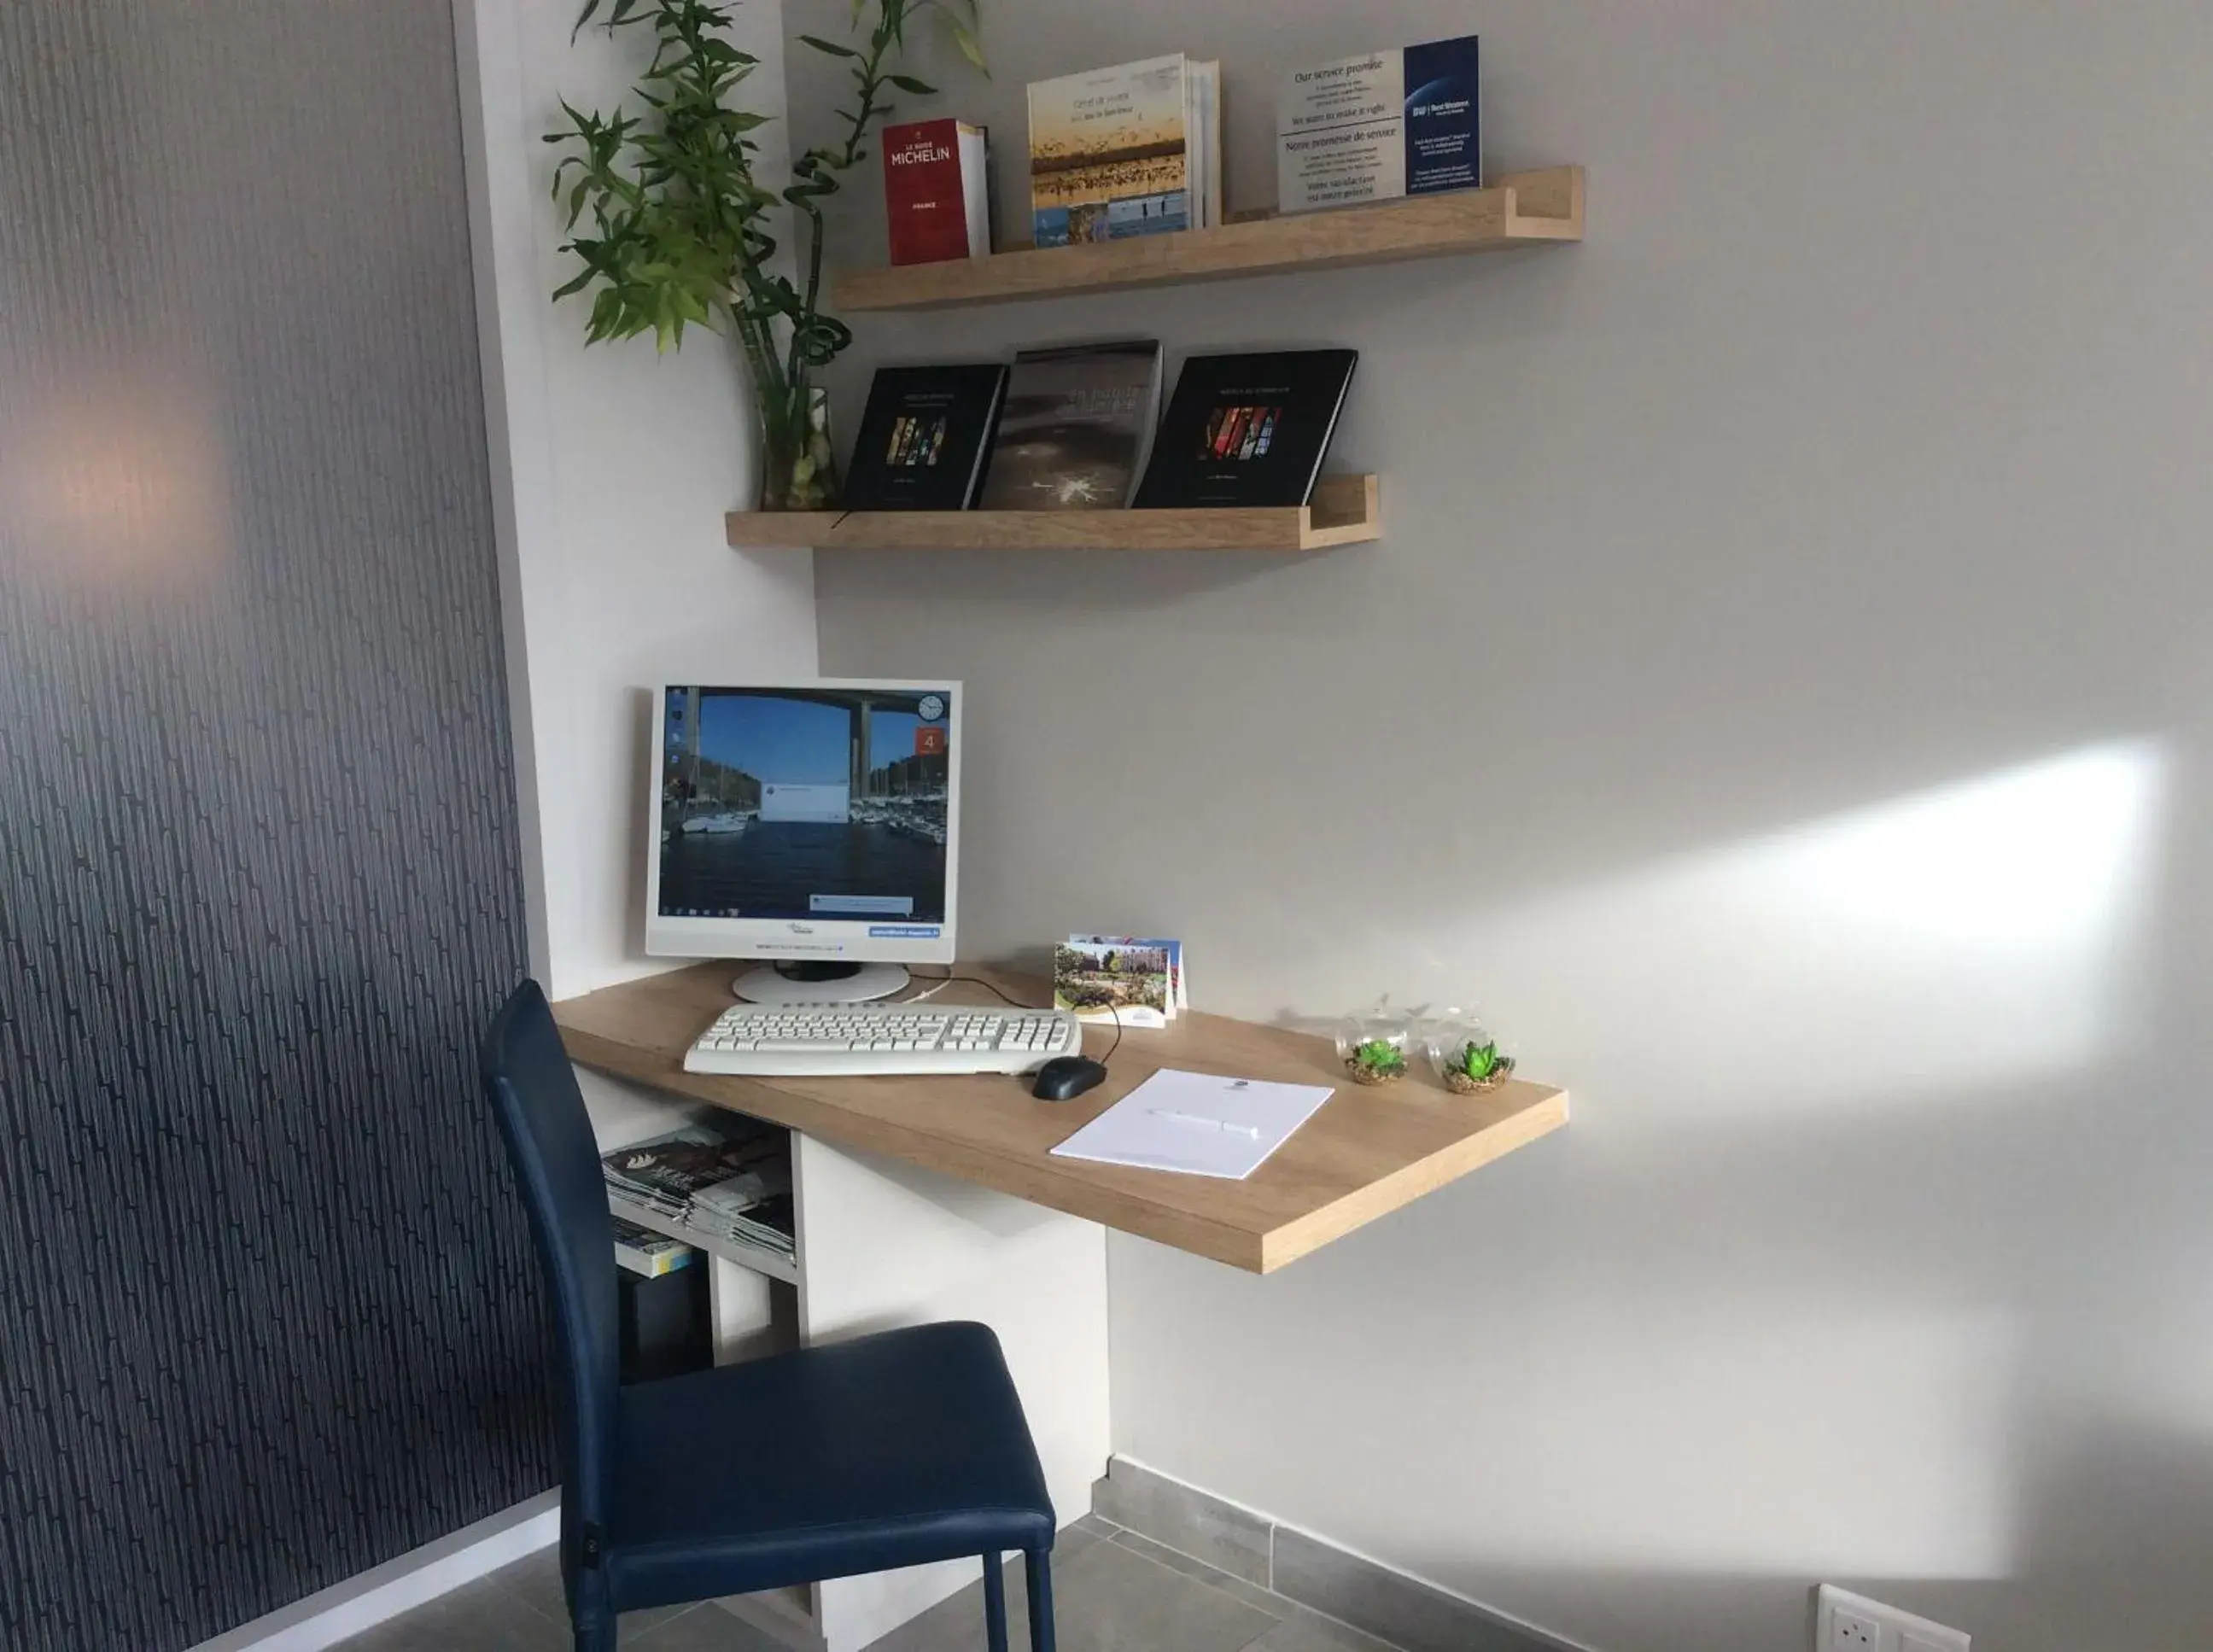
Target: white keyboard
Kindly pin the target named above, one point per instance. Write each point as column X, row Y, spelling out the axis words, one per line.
column 841, row 1040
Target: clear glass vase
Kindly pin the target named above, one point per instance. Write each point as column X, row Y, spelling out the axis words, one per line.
column 1373, row 1046
column 1464, row 1054
column 799, row 466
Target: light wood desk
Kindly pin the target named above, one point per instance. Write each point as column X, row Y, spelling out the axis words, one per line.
column 937, row 1198
column 1364, row 1155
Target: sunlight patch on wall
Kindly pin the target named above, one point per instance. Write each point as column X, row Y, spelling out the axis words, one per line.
column 1981, row 932
column 119, row 478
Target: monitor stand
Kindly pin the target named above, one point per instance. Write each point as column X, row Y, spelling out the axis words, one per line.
column 819, row 983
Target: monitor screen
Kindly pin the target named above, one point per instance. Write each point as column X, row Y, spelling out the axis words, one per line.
column 805, row 819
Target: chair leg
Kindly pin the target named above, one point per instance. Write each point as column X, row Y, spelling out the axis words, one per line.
column 995, row 1603
column 596, row 1635
column 1038, row 1565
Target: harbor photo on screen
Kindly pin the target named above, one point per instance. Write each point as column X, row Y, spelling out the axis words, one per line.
column 823, row 804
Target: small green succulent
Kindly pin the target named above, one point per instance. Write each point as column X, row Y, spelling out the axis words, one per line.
column 1478, row 1061
column 1380, row 1056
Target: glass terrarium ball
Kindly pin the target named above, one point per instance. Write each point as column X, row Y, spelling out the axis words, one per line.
column 1373, row 1047
column 1464, row 1054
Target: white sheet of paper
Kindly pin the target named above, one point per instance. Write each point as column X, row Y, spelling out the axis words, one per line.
column 1174, row 1121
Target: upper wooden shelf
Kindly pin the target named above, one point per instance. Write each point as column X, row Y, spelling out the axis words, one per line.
column 1522, row 209
column 1344, row 510
column 1364, row 1155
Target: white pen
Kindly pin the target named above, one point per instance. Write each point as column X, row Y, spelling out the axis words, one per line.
column 1222, row 1125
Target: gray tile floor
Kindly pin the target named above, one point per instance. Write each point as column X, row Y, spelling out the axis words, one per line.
column 1114, row 1592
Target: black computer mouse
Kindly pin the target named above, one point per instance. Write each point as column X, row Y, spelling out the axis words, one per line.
column 1066, row 1077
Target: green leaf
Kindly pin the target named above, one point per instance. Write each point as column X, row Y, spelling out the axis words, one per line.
column 970, row 47
column 607, row 314
column 676, row 218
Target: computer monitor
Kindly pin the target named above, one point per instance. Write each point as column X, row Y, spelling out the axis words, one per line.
column 813, row 824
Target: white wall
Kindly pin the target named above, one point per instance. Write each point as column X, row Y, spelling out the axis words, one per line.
column 1782, row 700
column 619, row 464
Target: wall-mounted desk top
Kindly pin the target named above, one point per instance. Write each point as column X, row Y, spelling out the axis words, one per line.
column 1365, row 1154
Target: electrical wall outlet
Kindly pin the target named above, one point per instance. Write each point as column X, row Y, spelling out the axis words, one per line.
column 1851, row 1631
column 1844, row 1622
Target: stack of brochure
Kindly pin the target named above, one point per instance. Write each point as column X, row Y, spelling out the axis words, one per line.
column 1404, row 121
column 738, row 1213
column 646, row 1252
column 731, row 1180
column 1135, row 149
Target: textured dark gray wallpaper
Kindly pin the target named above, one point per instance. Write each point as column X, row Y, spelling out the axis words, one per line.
column 264, row 1314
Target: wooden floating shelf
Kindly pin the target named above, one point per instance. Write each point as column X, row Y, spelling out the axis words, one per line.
column 1522, row 209
column 1344, row 510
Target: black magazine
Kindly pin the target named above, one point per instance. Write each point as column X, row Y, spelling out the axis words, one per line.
column 1076, row 428
column 1248, row 430
column 924, row 437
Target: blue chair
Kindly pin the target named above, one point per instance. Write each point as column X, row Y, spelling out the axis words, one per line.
column 894, row 1449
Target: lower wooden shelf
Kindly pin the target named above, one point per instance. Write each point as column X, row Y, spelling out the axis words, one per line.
column 1344, row 510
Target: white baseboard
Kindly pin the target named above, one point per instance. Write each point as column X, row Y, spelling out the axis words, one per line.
column 400, row 1585
column 1370, row 1595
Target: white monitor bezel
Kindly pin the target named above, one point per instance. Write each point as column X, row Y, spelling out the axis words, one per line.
column 816, row 939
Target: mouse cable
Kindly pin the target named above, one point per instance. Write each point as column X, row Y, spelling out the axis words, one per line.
column 1115, row 1010
column 939, row 983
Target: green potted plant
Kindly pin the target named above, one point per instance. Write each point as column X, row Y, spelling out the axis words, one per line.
column 1376, row 1061
column 1465, row 1056
column 1373, row 1047
column 677, row 231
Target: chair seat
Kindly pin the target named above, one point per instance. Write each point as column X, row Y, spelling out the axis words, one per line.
column 894, row 1449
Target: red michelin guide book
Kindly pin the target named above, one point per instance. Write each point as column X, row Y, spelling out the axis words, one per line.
column 936, row 192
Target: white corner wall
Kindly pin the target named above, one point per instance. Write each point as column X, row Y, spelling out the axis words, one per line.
column 612, row 467
column 1784, row 701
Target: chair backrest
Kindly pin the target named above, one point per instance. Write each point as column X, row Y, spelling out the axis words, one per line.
column 534, row 1093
